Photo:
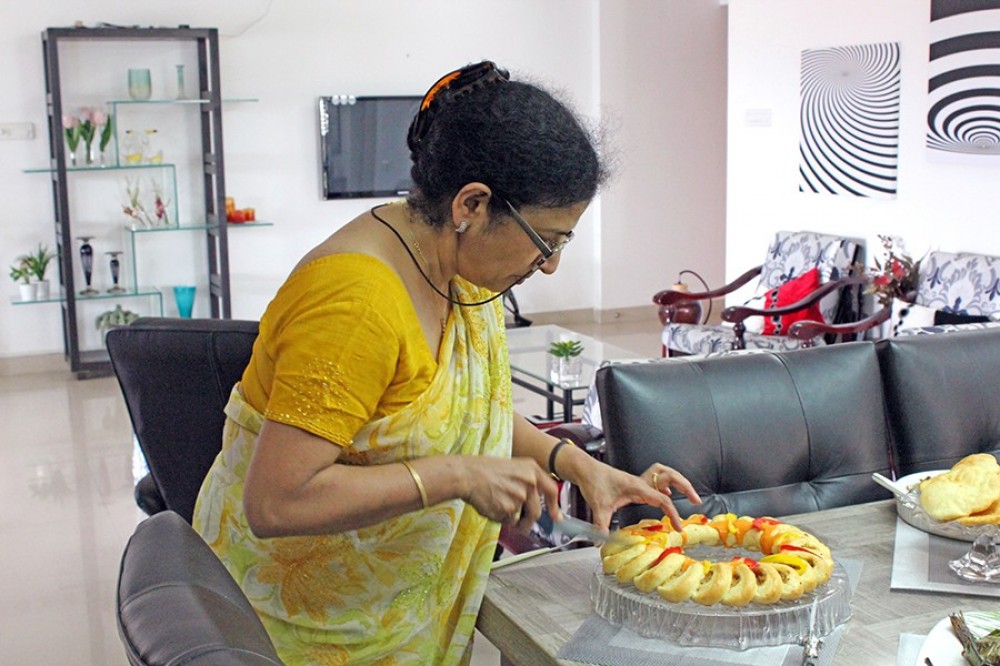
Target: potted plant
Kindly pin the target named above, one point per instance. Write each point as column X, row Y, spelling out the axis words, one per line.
column 112, row 318
column 567, row 366
column 20, row 274
column 37, row 263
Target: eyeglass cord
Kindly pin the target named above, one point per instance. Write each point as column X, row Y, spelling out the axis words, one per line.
column 427, row 279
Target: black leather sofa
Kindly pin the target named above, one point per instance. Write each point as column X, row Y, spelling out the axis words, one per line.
column 791, row 432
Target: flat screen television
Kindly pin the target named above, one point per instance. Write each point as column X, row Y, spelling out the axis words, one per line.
column 363, row 145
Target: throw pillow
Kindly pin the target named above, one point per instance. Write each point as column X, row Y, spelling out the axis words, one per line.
column 909, row 315
column 787, row 294
column 943, row 317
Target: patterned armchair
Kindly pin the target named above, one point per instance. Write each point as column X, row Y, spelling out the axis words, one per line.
column 954, row 291
column 791, row 255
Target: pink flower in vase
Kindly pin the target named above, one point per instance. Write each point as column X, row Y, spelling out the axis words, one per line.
column 87, row 129
column 71, row 125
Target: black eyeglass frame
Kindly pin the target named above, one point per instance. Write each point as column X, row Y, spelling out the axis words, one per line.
column 544, row 247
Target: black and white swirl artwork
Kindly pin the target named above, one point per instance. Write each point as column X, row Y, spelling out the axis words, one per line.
column 850, row 120
column 964, row 84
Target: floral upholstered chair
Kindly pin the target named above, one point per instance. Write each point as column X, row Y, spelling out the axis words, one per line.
column 955, row 292
column 805, row 276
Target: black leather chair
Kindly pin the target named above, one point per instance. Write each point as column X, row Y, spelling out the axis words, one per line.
column 942, row 392
column 770, row 433
column 177, row 604
column 176, row 376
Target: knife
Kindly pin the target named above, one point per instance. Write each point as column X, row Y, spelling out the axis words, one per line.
column 574, row 527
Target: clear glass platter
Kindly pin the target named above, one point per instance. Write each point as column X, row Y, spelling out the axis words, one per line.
column 737, row 628
column 909, row 509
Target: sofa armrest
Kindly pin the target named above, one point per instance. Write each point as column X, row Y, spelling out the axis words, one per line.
column 587, row 437
column 738, row 313
column 671, row 296
column 807, row 330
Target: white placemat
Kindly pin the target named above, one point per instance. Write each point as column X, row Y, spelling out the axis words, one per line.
column 909, row 648
column 599, row 642
column 920, row 562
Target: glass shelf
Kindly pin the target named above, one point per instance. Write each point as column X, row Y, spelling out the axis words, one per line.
column 194, row 227
column 102, row 296
column 180, row 101
column 122, row 167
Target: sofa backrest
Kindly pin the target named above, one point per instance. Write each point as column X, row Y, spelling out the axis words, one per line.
column 943, row 396
column 176, row 376
column 177, row 603
column 757, row 434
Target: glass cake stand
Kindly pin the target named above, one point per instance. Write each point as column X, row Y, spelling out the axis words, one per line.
column 737, row 628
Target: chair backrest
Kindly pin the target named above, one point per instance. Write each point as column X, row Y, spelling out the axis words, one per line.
column 176, row 376
column 177, row 603
column 757, row 434
column 963, row 283
column 942, row 396
column 792, row 253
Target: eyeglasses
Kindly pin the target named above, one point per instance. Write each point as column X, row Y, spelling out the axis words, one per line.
column 547, row 248
column 454, row 84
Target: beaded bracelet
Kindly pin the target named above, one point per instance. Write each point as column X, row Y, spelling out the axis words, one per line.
column 552, row 457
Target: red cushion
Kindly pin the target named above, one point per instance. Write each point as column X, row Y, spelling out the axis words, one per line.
column 788, row 293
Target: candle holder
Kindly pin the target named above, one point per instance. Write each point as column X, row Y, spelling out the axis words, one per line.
column 115, row 270
column 87, row 263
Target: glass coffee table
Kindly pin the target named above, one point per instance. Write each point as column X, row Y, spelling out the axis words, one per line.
column 533, row 368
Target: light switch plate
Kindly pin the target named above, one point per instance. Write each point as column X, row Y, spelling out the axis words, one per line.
column 23, row 131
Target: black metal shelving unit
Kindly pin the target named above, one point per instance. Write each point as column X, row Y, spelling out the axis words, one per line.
column 95, row 363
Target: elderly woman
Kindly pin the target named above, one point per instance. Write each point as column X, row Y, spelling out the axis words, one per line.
column 371, row 451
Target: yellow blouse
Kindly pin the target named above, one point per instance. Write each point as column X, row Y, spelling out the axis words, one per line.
column 406, row 590
column 333, row 316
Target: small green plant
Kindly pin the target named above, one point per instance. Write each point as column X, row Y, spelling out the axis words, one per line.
column 37, row 262
column 566, row 348
column 20, row 273
column 116, row 317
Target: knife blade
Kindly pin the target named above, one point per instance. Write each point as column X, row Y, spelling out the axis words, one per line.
column 574, row 527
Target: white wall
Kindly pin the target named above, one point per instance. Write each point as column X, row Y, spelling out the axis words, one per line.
column 939, row 205
column 663, row 89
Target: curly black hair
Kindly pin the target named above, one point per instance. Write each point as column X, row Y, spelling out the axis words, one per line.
column 518, row 139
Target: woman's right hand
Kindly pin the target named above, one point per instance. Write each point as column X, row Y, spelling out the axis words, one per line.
column 508, row 491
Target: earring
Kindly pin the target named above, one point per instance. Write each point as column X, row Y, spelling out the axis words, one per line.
column 462, row 226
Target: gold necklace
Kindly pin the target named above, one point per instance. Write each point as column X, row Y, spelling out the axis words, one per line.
column 416, row 246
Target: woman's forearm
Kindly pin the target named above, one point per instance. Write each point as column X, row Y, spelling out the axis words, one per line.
column 295, row 486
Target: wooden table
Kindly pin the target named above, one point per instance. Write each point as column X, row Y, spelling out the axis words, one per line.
column 529, row 628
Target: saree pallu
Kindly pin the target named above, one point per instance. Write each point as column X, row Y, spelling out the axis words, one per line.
column 404, row 591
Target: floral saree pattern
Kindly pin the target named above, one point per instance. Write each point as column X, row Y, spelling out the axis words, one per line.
column 403, row 591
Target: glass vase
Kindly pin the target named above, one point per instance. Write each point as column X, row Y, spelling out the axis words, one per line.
column 115, row 267
column 139, row 86
column 565, row 370
column 87, row 263
column 181, row 93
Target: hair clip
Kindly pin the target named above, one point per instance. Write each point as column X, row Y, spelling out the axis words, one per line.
column 451, row 85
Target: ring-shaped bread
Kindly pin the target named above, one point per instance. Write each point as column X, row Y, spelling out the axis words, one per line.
column 650, row 556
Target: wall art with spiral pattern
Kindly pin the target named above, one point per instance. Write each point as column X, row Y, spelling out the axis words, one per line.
column 964, row 80
column 850, row 120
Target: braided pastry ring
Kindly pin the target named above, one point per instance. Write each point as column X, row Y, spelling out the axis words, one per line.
column 651, row 557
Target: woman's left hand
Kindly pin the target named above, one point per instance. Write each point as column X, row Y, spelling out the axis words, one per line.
column 607, row 489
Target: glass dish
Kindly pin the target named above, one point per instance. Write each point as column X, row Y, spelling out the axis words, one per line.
column 909, row 509
column 737, row 628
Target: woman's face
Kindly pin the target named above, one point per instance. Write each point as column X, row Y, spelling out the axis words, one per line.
column 504, row 253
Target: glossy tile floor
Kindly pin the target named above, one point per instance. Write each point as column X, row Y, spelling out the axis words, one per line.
column 66, row 477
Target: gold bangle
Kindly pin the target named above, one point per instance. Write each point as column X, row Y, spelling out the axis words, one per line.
column 417, row 480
